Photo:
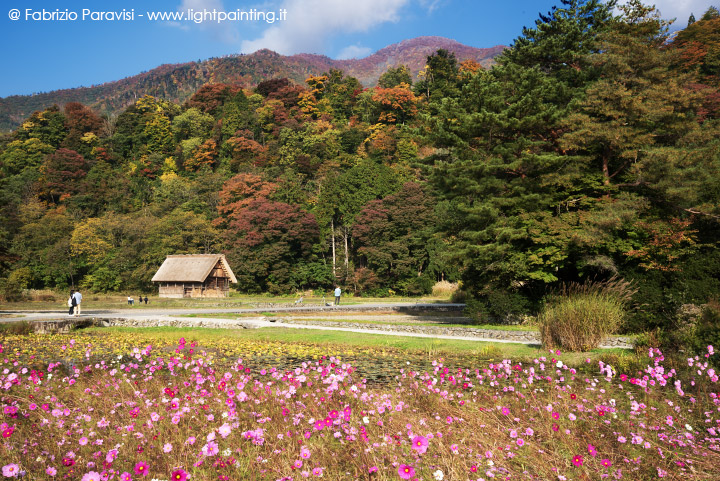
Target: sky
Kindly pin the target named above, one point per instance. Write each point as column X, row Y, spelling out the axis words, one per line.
column 56, row 44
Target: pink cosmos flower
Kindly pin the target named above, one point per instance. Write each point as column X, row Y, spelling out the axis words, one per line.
column 210, row 449
column 304, row 452
column 318, row 472
column 577, row 460
column 50, row 471
column 91, row 476
column 606, row 462
column 125, row 477
column 167, row 448
column 420, row 444
column 520, row 442
column 10, row 470
column 225, row 430
column 405, row 471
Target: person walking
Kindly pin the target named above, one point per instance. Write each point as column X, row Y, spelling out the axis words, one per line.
column 78, row 300
column 337, row 295
column 71, row 303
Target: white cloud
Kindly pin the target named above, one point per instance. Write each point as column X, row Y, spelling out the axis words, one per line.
column 354, row 51
column 311, row 22
column 431, row 5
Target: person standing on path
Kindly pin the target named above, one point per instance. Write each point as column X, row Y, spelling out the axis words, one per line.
column 78, row 299
column 337, row 295
column 71, row 302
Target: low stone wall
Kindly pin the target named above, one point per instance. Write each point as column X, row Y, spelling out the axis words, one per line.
column 244, row 323
column 62, row 326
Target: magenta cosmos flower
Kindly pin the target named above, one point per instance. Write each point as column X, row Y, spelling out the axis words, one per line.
column 178, row 475
column 405, row 471
column 141, row 468
column 577, row 460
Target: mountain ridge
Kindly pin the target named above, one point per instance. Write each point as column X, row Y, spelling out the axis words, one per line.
column 179, row 81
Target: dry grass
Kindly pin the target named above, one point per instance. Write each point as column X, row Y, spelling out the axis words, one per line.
column 444, row 289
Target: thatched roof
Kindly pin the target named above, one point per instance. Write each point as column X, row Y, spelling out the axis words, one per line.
column 191, row 268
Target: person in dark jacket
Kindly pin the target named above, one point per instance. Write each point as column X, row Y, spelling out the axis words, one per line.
column 71, row 303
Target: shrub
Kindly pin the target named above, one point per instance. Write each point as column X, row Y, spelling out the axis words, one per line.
column 497, row 306
column 707, row 331
column 459, row 296
column 21, row 328
column 662, row 293
column 417, row 286
column 579, row 316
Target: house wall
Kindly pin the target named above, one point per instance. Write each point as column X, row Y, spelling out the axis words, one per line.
column 193, row 289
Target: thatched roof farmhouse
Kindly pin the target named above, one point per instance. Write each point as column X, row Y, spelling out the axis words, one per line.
column 194, row 275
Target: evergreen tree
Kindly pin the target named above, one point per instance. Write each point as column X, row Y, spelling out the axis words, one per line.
column 395, row 76
column 500, row 168
column 440, row 77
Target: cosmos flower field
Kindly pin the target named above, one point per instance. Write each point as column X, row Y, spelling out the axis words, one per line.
column 90, row 408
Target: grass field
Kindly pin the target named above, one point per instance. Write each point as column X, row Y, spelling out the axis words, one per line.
column 444, row 319
column 274, row 404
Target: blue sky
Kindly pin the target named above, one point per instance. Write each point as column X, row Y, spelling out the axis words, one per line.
column 44, row 55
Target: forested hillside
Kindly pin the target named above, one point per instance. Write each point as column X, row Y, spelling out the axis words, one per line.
column 178, row 82
column 590, row 150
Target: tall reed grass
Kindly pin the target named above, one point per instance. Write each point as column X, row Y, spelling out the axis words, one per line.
column 578, row 316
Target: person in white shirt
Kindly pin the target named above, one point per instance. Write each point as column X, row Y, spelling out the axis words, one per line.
column 78, row 300
column 337, row 295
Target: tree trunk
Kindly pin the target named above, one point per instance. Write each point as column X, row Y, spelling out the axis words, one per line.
column 347, row 262
column 332, row 234
column 606, row 167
